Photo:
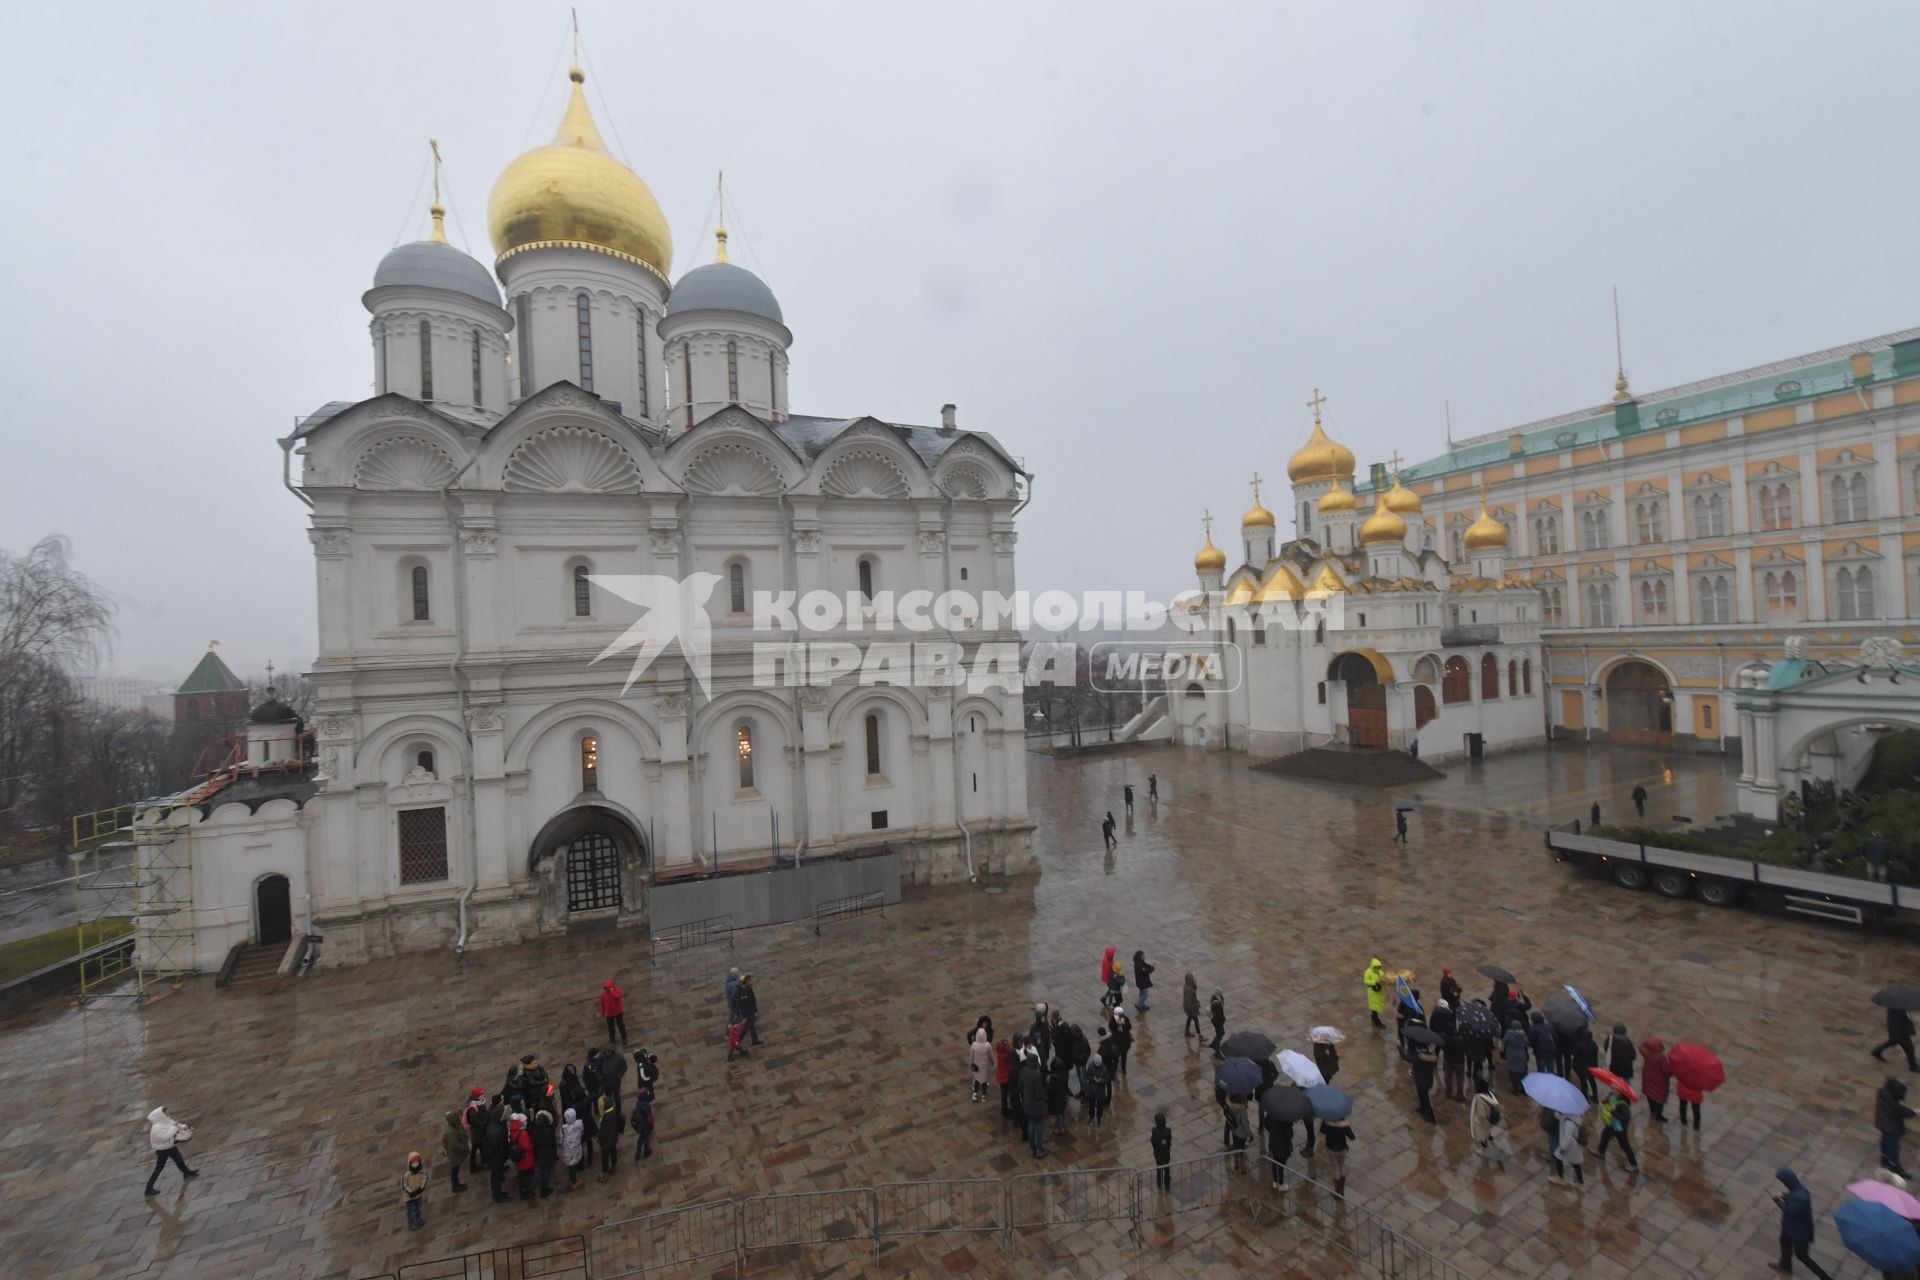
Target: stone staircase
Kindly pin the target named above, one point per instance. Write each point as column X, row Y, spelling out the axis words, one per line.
column 1352, row 766
column 257, row 963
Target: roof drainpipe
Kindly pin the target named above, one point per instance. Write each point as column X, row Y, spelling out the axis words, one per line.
column 286, row 467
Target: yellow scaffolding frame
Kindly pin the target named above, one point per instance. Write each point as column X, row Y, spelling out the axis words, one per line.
column 145, row 878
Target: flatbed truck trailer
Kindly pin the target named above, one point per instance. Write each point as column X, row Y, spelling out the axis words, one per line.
column 1724, row 881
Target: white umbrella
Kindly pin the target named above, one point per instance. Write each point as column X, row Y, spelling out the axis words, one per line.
column 1325, row 1035
column 1298, row 1067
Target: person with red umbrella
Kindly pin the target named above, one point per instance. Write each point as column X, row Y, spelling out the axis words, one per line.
column 1696, row 1073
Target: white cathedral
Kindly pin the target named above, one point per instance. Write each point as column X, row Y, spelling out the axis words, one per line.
column 474, row 776
column 1356, row 633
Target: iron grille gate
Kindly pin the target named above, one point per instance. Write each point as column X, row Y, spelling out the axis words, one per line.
column 593, row 873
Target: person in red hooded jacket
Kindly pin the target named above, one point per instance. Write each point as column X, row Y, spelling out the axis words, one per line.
column 1655, row 1076
column 520, row 1148
column 1003, row 1073
column 613, row 1007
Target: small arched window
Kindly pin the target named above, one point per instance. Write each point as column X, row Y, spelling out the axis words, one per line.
column 589, row 764
column 476, row 368
column 733, row 372
column 582, row 593
column 1456, row 681
column 640, row 324
column 583, row 312
column 1526, row 676
column 743, row 744
column 1513, row 678
column 736, row 587
column 1195, row 691
column 873, row 745
column 1489, row 677
column 866, row 579
column 422, row 598
column 423, row 761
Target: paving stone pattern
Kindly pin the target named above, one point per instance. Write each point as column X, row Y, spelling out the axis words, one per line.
column 308, row 1094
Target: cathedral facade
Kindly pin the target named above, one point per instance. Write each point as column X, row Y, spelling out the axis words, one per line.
column 1356, row 632
column 568, row 417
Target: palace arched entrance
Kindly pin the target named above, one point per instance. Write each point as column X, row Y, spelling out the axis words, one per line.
column 1639, row 704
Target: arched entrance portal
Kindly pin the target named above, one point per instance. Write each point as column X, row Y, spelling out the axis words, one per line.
column 1366, row 699
column 591, row 864
column 273, row 911
column 1639, row 704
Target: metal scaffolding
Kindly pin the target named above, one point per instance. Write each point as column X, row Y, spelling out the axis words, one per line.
column 134, row 873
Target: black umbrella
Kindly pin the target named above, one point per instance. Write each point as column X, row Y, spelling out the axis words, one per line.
column 1498, row 974
column 1286, row 1102
column 1478, row 1020
column 1248, row 1044
column 1903, row 998
column 1564, row 1014
column 1419, row 1034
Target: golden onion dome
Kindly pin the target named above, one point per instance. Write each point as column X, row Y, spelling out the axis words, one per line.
column 1320, row 459
column 1382, row 525
column 1257, row 517
column 572, row 194
column 1401, row 500
column 1337, row 499
column 1211, row 558
column 1486, row 533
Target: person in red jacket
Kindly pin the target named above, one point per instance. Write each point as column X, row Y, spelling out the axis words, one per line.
column 520, row 1147
column 1654, row 1076
column 613, row 1007
column 1003, row 1073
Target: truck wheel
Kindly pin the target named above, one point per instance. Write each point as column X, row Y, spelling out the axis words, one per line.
column 1672, row 884
column 1629, row 875
column 1716, row 892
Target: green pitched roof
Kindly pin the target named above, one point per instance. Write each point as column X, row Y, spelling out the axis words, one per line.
column 212, row 676
column 1782, row 382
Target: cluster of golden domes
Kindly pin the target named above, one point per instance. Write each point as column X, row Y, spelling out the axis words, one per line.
column 573, row 194
column 1485, row 533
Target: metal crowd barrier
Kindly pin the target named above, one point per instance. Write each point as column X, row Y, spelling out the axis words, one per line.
column 700, row 1233
column 857, row 904
column 672, row 1238
column 694, row 934
column 1354, row 1229
column 564, row 1258
column 931, row 1208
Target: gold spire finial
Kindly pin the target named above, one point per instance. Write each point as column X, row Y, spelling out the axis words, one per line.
column 1256, row 488
column 438, row 210
column 720, row 232
column 1316, row 402
column 1205, row 520
column 1620, row 393
column 574, row 73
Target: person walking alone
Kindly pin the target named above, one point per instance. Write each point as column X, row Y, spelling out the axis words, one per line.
column 1615, row 1113
column 1142, row 981
column 1483, row 1126
column 1890, row 1116
column 1217, row 1011
column 1639, row 797
column 1400, row 825
column 1153, row 788
column 1655, row 1077
column 1126, row 793
column 1796, row 1224
column 164, row 1135
column 1161, row 1139
column 1899, row 1036
column 613, row 1007
column 1190, row 1005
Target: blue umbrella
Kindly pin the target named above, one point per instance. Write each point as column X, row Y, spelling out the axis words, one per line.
column 1555, row 1093
column 1582, row 1002
column 1238, row 1076
column 1878, row 1235
column 1405, row 992
column 1329, row 1102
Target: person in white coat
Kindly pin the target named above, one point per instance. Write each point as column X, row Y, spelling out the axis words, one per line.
column 164, row 1135
column 1571, row 1152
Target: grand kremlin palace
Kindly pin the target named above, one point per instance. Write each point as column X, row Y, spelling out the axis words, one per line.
column 1676, row 537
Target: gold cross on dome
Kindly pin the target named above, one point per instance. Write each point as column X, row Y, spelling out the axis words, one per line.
column 1207, row 520
column 1256, row 488
column 1394, row 459
column 1315, row 404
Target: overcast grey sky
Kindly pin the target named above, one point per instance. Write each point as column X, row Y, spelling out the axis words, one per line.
column 1128, row 240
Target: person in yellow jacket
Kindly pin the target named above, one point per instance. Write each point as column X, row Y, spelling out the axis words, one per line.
column 1375, row 979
